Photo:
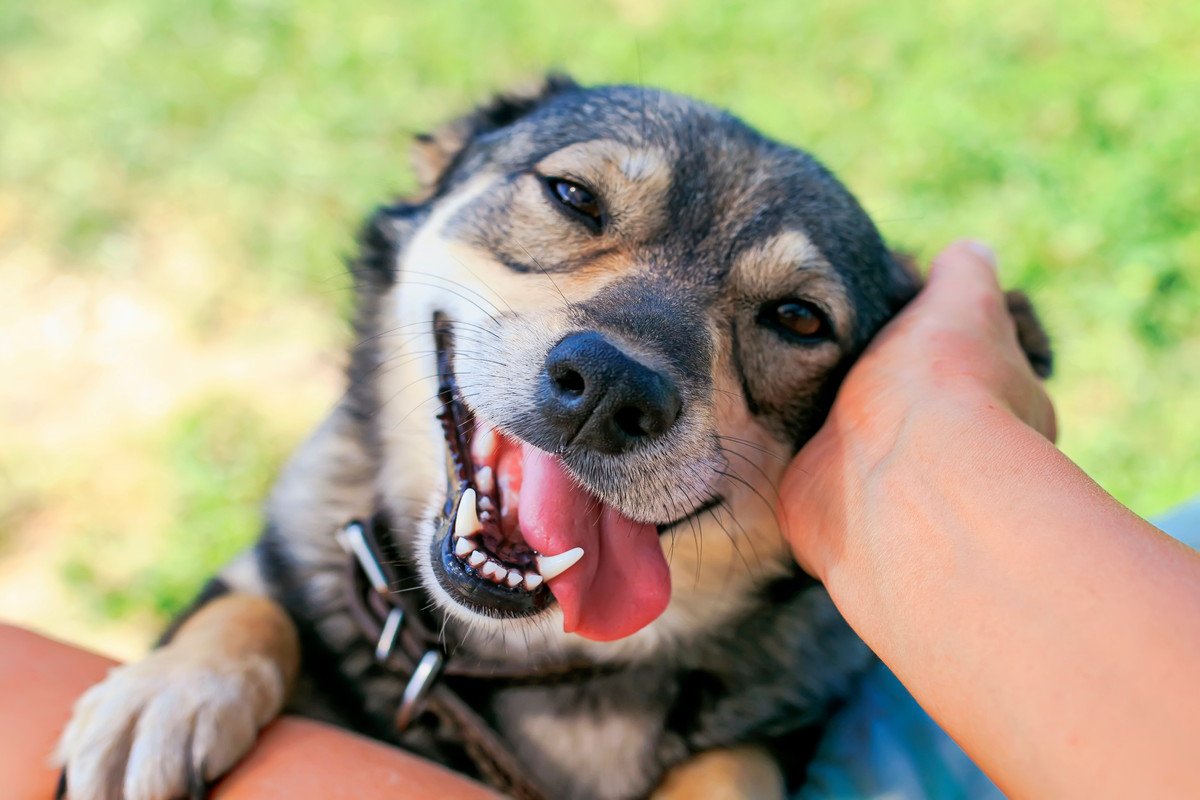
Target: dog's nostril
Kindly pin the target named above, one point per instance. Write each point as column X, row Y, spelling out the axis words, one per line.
column 598, row 398
column 570, row 381
column 629, row 420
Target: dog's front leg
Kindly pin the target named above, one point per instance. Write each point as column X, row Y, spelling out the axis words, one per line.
column 747, row 772
column 163, row 727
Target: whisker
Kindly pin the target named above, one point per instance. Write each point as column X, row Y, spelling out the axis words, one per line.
column 754, row 446
column 483, row 283
column 750, row 462
column 547, row 274
column 387, row 332
column 460, row 284
column 457, row 294
column 751, row 487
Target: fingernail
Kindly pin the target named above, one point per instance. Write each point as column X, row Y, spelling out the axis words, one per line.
column 983, row 251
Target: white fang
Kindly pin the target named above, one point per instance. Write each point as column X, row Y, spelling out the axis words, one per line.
column 553, row 566
column 466, row 521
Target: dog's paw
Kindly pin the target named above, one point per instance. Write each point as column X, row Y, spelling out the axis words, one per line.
column 737, row 773
column 164, row 727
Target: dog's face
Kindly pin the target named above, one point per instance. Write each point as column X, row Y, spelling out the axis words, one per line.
column 614, row 318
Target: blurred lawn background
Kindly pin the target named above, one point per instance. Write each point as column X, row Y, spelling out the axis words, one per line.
column 179, row 182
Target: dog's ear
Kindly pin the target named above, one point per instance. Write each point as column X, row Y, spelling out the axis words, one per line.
column 1030, row 333
column 905, row 279
column 434, row 154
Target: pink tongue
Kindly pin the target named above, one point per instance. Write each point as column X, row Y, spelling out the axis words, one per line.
column 622, row 583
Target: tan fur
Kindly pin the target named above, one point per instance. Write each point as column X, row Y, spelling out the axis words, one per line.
column 244, row 625
column 633, row 181
column 737, row 773
column 433, row 153
column 791, row 262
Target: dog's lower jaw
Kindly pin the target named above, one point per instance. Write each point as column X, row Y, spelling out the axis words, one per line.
column 701, row 603
column 455, row 578
column 518, row 639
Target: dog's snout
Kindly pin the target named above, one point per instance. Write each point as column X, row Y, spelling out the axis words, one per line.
column 599, row 398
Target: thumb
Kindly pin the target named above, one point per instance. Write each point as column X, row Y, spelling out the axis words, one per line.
column 962, row 280
column 965, row 261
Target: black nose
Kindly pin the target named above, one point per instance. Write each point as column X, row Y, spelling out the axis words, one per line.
column 595, row 396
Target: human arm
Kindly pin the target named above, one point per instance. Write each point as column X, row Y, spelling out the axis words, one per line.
column 1050, row 631
column 299, row 759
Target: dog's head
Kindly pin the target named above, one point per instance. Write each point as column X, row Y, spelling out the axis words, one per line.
column 607, row 324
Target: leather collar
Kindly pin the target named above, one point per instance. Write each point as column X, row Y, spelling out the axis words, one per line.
column 406, row 642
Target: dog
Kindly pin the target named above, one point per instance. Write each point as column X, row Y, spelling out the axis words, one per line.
column 537, row 540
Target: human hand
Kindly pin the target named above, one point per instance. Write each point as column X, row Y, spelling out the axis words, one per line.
column 952, row 353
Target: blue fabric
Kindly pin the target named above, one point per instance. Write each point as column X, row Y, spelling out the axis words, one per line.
column 1183, row 523
column 883, row 746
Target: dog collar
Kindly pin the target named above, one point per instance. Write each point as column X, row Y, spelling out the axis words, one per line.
column 406, row 643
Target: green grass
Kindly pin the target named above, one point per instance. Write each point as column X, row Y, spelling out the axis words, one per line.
column 223, row 457
column 263, row 130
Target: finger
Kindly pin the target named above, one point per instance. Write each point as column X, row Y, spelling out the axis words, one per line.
column 963, row 290
column 966, row 258
column 966, row 269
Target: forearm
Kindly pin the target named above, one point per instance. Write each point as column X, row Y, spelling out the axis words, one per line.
column 1038, row 621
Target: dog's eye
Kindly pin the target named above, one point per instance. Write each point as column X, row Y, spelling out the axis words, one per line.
column 796, row 320
column 577, row 198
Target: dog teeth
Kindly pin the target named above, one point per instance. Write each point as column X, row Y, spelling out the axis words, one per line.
column 466, row 522
column 485, row 503
column 485, row 479
column 470, row 549
column 484, row 445
column 510, row 501
column 552, row 566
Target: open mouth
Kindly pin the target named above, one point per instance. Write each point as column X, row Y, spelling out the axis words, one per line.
column 520, row 533
column 484, row 560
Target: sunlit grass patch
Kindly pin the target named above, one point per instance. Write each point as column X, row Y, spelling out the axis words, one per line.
column 221, row 456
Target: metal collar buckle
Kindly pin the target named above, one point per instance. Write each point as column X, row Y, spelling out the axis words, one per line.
column 416, row 692
column 353, row 540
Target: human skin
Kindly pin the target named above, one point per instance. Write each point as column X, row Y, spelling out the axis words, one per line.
column 1050, row 631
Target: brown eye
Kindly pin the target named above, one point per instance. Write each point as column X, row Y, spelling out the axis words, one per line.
column 796, row 320
column 578, row 199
